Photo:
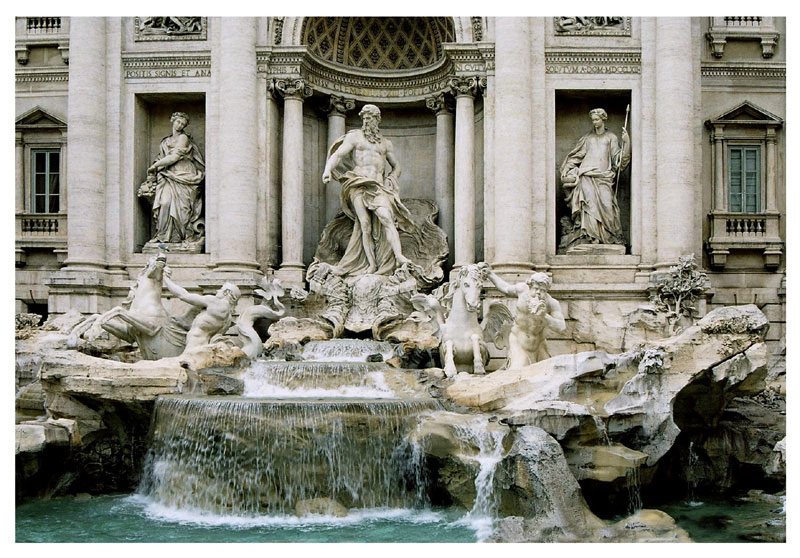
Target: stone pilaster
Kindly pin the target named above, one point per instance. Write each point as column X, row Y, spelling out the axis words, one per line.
column 442, row 106
column 513, row 128
column 238, row 140
column 772, row 171
column 294, row 92
column 720, row 200
column 19, row 173
column 273, row 177
column 336, row 109
column 464, row 90
column 676, row 194
column 86, row 169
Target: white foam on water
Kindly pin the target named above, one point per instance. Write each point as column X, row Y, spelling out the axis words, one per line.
column 373, row 387
column 160, row 512
column 346, row 350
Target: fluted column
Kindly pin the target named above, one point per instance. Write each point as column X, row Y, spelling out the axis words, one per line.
column 442, row 106
column 86, row 168
column 513, row 140
column 294, row 91
column 19, row 176
column 464, row 90
column 676, row 199
column 238, row 138
column 337, row 109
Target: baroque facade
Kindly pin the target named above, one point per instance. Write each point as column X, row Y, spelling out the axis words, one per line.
column 482, row 113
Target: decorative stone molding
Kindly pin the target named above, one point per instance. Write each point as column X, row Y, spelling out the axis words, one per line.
column 743, row 28
column 440, row 103
column 41, row 75
column 598, row 62
column 23, row 53
column 470, row 58
column 461, row 86
column 744, row 71
column 477, row 28
column 339, row 105
column 292, row 88
column 170, row 28
column 278, row 34
column 614, row 26
column 150, row 65
column 63, row 50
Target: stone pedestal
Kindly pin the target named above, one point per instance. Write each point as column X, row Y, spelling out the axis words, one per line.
column 596, row 249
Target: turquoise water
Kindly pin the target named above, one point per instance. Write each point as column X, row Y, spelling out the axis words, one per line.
column 124, row 518
column 729, row 520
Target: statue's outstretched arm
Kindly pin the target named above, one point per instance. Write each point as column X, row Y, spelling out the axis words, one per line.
column 183, row 294
column 555, row 319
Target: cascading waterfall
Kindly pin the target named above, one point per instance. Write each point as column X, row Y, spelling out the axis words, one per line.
column 316, row 379
column 691, row 477
column 489, row 442
column 250, row 457
column 601, row 426
column 634, row 484
column 346, row 350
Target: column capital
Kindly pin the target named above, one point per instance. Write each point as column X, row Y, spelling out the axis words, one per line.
column 338, row 106
column 292, row 88
column 464, row 86
column 440, row 103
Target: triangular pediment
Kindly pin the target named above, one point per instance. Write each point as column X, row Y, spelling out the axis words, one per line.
column 747, row 113
column 40, row 119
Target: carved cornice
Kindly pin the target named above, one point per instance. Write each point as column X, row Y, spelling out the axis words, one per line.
column 609, row 62
column 154, row 65
column 464, row 86
column 292, row 88
column 41, row 75
column 744, row 71
column 339, row 105
column 440, row 103
column 470, row 58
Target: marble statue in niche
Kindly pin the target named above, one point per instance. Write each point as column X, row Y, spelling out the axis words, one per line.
column 173, row 186
column 359, row 160
column 590, row 178
column 536, row 311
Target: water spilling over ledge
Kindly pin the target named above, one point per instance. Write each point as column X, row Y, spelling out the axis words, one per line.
column 258, row 456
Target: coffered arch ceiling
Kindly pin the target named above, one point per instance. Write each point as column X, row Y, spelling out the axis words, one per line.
column 378, row 43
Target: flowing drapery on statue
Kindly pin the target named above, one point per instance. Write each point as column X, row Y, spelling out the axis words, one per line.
column 174, row 181
column 588, row 176
column 359, row 160
column 374, row 195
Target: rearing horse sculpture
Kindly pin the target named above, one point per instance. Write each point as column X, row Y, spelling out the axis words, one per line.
column 141, row 318
column 456, row 307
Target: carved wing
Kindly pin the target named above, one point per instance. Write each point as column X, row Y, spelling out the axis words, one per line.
column 497, row 324
column 427, row 308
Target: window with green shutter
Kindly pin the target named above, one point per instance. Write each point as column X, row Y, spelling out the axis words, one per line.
column 744, row 178
column 45, row 180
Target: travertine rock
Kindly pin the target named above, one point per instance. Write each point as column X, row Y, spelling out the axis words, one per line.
column 323, row 506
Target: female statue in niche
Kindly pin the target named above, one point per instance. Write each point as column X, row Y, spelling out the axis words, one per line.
column 589, row 178
column 173, row 185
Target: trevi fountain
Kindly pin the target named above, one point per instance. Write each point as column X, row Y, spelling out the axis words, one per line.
column 418, row 375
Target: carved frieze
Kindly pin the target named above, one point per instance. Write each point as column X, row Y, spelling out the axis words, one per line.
column 170, row 28
column 614, row 26
column 744, row 71
column 41, row 75
column 153, row 66
column 278, row 37
column 613, row 62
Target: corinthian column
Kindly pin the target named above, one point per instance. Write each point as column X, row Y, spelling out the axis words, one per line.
column 238, row 138
column 86, row 168
column 513, row 127
column 442, row 106
column 676, row 198
column 337, row 109
column 464, row 90
column 294, row 91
